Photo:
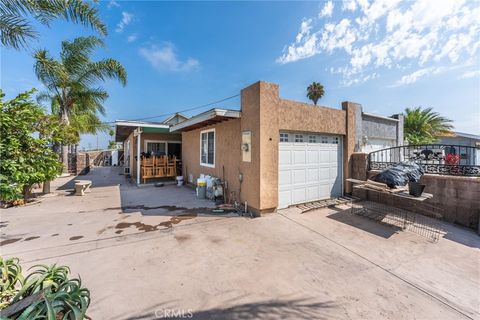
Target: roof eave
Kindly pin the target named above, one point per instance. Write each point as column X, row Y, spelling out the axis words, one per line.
column 206, row 118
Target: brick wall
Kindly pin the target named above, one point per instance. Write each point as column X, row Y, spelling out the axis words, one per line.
column 459, row 197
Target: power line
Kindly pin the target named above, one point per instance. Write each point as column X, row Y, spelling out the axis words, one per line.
column 184, row 110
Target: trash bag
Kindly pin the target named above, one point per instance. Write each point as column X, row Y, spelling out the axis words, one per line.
column 400, row 174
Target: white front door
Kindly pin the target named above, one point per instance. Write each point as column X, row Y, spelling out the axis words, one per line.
column 310, row 168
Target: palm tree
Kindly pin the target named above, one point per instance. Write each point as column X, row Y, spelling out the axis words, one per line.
column 16, row 29
column 315, row 91
column 423, row 126
column 72, row 84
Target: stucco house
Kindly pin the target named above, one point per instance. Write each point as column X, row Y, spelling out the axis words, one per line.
column 272, row 153
column 143, row 137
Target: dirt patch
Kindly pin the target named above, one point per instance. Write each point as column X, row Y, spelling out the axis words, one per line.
column 177, row 220
column 215, row 239
column 31, row 238
column 118, row 231
column 139, row 225
column 76, row 238
column 8, row 241
column 147, row 227
column 167, row 208
column 182, row 237
column 54, row 235
column 99, row 232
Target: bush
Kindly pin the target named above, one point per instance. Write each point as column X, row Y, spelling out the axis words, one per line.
column 26, row 137
column 63, row 298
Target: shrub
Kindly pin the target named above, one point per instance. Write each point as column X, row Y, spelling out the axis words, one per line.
column 26, row 137
column 63, row 298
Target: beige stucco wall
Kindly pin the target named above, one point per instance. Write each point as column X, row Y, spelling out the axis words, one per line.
column 297, row 116
column 264, row 113
column 227, row 154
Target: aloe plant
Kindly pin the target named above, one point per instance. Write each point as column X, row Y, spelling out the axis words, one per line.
column 63, row 298
column 12, row 280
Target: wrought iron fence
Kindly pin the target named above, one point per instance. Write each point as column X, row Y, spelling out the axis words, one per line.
column 434, row 158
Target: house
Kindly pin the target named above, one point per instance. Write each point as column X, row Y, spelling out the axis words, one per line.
column 378, row 132
column 459, row 143
column 272, row 153
column 140, row 137
column 275, row 152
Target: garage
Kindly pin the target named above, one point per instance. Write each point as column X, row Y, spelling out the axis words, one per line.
column 310, row 167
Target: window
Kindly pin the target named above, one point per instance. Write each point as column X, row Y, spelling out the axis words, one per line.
column 156, row 148
column 207, row 148
column 299, row 138
column 324, row 139
column 335, row 140
column 283, row 137
column 312, row 139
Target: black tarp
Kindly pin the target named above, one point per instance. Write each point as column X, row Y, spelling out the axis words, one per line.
column 399, row 174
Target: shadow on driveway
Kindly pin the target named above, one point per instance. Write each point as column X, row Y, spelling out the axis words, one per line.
column 276, row 309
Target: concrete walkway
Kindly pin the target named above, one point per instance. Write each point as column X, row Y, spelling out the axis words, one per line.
column 148, row 253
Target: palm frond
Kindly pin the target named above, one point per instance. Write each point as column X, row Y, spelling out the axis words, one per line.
column 15, row 31
column 102, row 70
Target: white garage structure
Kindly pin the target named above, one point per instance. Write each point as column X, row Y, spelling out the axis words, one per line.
column 310, row 167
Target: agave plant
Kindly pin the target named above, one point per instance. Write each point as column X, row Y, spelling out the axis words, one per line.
column 62, row 298
column 12, row 280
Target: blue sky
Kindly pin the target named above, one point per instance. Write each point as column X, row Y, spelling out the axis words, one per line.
column 385, row 54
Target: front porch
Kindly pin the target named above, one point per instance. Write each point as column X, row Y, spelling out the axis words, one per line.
column 159, row 151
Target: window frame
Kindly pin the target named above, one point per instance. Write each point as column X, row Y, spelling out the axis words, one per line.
column 203, row 164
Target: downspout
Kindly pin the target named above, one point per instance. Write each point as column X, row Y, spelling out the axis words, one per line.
column 139, row 133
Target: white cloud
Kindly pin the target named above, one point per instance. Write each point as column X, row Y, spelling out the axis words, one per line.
column 126, row 19
column 414, row 76
column 470, row 74
column 133, row 37
column 164, row 58
column 112, row 3
column 327, row 10
column 391, row 34
column 350, row 5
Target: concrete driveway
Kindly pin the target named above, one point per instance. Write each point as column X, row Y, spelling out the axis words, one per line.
column 149, row 253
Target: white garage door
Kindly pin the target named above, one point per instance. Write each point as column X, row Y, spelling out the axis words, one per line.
column 310, row 168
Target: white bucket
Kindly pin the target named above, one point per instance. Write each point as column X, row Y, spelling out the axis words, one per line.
column 179, row 181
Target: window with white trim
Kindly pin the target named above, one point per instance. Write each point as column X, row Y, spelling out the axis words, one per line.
column 335, row 140
column 207, row 148
column 283, row 137
column 324, row 139
column 312, row 139
column 299, row 138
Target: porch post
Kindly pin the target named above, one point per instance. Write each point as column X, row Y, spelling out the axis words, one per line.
column 139, row 133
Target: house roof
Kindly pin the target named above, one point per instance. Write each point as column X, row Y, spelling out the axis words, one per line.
column 123, row 128
column 379, row 117
column 206, row 118
column 462, row 135
column 173, row 116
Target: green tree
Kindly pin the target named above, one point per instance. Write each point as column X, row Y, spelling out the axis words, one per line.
column 26, row 135
column 16, row 28
column 315, row 91
column 423, row 126
column 72, row 84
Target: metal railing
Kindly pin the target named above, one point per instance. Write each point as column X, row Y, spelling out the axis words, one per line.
column 442, row 159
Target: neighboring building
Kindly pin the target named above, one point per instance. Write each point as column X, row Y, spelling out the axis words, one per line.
column 377, row 132
column 272, row 152
column 456, row 140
